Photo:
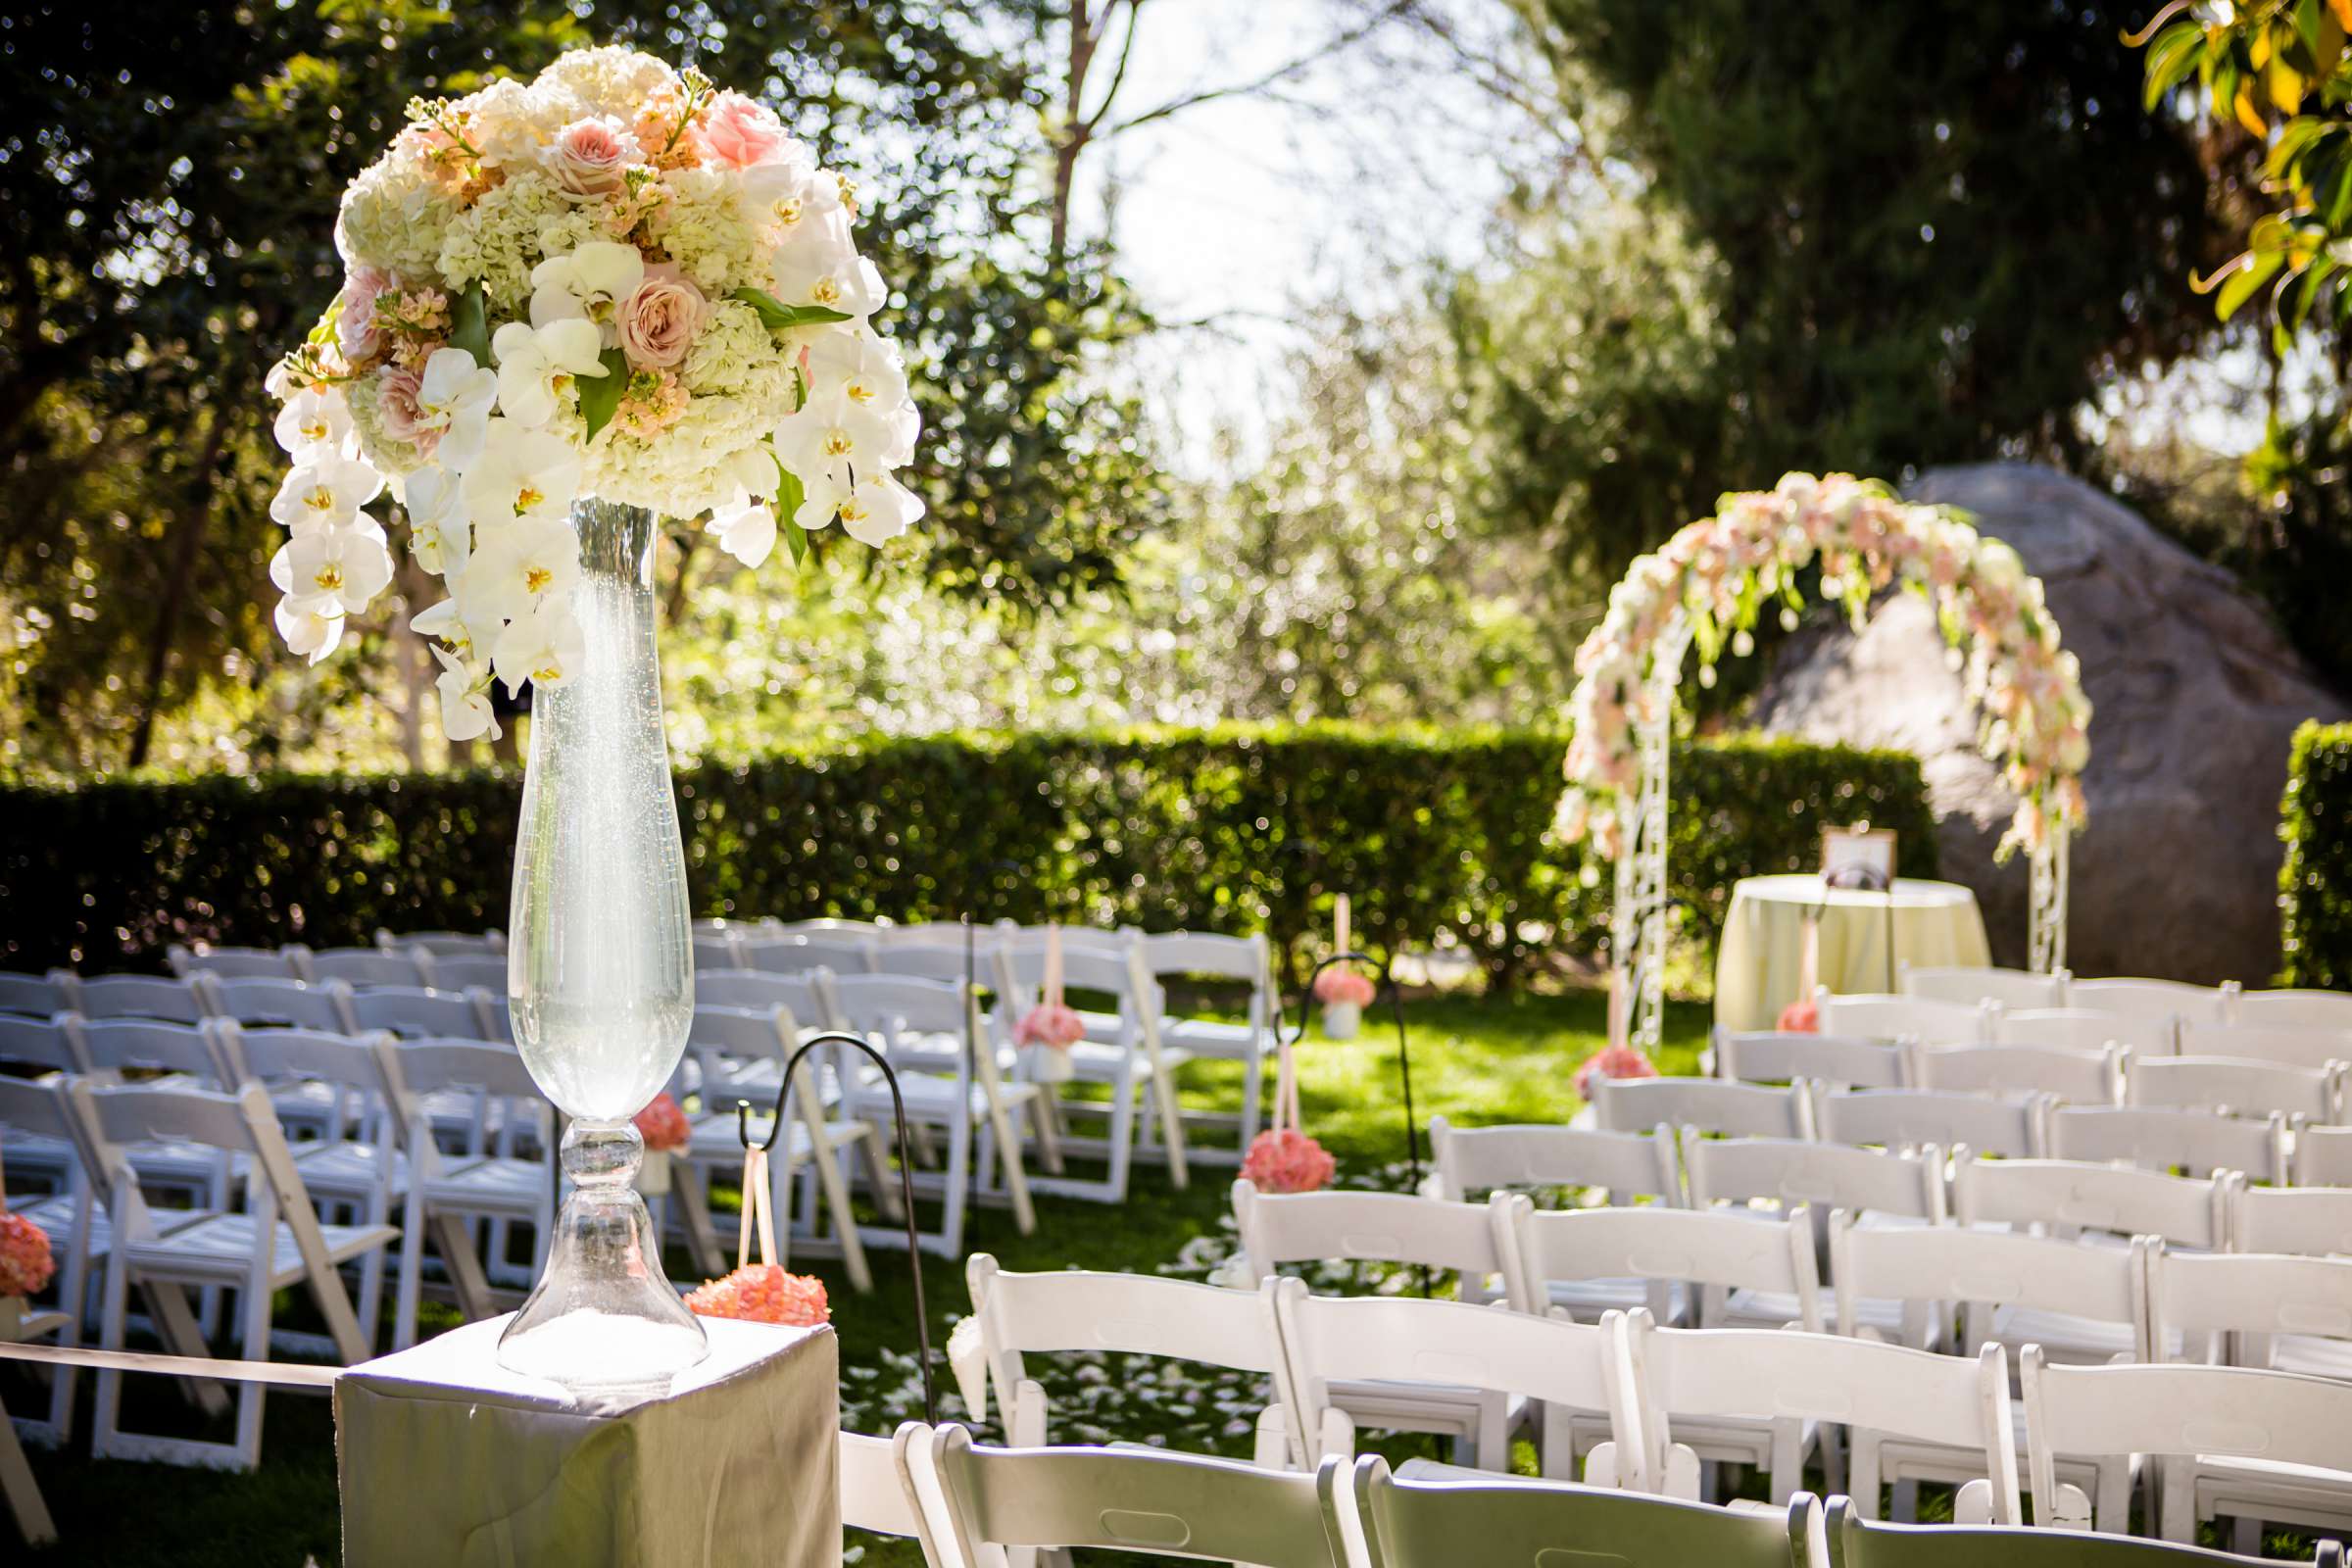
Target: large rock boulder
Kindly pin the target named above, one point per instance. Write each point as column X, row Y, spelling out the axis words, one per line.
column 2195, row 692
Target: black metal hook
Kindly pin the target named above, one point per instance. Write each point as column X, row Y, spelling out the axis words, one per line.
column 898, row 1111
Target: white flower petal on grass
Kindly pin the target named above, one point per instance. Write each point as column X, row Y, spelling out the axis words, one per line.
column 589, row 283
column 517, row 571
column 463, row 691
column 879, row 510
column 544, row 647
column 439, row 534
column 314, row 423
column 455, row 397
column 308, row 632
column 522, row 473
column 535, row 363
column 325, row 492
column 334, row 571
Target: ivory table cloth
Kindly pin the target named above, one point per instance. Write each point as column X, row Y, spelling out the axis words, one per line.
column 1763, row 939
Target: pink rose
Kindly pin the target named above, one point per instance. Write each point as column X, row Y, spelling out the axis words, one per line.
column 404, row 419
column 738, row 132
column 588, row 156
column 659, row 319
column 355, row 327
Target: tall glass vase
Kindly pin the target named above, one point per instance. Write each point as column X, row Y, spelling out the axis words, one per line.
column 600, row 973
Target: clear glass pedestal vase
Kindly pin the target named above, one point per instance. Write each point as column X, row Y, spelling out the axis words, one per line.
column 600, row 973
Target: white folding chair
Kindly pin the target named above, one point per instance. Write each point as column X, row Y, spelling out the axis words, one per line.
column 2083, row 1029
column 438, row 943
column 1711, row 1104
column 980, row 1504
column 137, row 996
column 971, row 1104
column 230, row 963
column 275, row 1242
column 940, row 960
column 1762, row 1395
column 42, row 1048
column 179, row 1056
column 1335, row 1346
column 73, row 1219
column 1133, row 1062
column 1916, row 1119
column 1617, row 1168
column 463, row 971
column 37, row 995
column 846, row 954
column 359, row 967
column 1693, row 1261
column 2018, row 1072
column 2167, row 1004
column 2254, row 1446
column 715, row 950
column 2288, row 1045
column 1892, row 1018
column 2233, row 1086
column 2066, row 1197
column 807, row 997
column 2010, row 1288
column 876, row 1493
column 2258, row 1309
column 2309, row 1221
column 2323, row 1157
column 1856, row 1543
column 413, row 1012
column 2196, row 1143
column 1249, row 1039
column 446, row 1193
column 1974, row 984
column 2324, row 1011
column 1014, row 1315
column 829, row 925
column 284, row 1004
column 1774, row 1058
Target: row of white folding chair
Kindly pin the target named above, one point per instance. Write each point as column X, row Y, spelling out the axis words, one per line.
column 357, row 966
column 490, row 941
column 1974, row 984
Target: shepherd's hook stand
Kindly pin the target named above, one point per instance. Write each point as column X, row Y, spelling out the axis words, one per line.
column 1404, row 1054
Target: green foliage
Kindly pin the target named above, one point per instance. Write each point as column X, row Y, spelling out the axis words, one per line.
column 2314, row 883
column 1438, row 837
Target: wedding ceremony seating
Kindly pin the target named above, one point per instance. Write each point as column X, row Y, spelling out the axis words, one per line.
column 2312, row 1219
column 1249, row 1039
column 413, row 1012
column 2057, row 1073
column 1624, row 1167
column 1915, row 1119
column 1839, row 1062
column 2323, row 1157
column 1935, row 1021
column 2253, row 1309
column 1693, row 1263
column 360, row 967
column 1858, row 1542
column 292, row 1004
column 1712, row 1104
column 2196, row 1143
column 41, row 1115
column 2285, row 1044
column 232, row 963
column 2233, row 1086
column 137, row 996
column 438, row 943
column 1973, row 986
column 2329, row 1011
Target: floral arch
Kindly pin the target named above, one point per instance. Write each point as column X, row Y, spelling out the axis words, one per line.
column 1707, row 585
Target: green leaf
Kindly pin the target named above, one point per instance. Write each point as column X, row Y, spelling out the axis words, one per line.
column 795, row 540
column 600, row 394
column 790, row 493
column 2245, row 281
column 470, row 326
column 778, row 316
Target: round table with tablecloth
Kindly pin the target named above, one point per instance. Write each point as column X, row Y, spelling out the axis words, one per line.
column 1763, row 939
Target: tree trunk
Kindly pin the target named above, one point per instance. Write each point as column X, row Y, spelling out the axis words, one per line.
column 186, row 537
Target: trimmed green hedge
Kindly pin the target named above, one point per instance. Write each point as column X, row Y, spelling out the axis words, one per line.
column 1230, row 829
column 2315, row 882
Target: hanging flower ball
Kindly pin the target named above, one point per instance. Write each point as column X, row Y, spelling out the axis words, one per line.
column 764, row 1293
column 24, row 1262
column 1287, row 1161
column 1342, row 986
column 663, row 1125
column 1800, row 1017
column 1051, row 1023
column 1613, row 1062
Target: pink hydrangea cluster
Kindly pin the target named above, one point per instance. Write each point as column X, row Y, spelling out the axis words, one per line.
column 1613, row 1062
column 663, row 1125
column 1718, row 573
column 1285, row 1159
column 764, row 1293
column 1800, row 1017
column 1051, row 1023
column 1343, row 987
column 24, row 1262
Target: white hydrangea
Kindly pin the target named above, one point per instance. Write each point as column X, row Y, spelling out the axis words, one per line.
column 509, row 121
column 734, row 347
column 610, row 80
column 393, row 217
column 496, row 240
column 364, row 397
column 704, row 229
column 688, row 468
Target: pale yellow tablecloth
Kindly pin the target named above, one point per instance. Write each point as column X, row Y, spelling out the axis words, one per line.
column 1763, row 935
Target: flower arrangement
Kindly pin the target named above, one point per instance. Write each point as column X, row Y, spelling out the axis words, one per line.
column 25, row 1263
column 663, row 1125
column 615, row 279
column 1613, row 1062
column 764, row 1293
column 1284, row 1160
column 1052, row 1022
column 1343, row 987
column 1720, row 572
column 1800, row 1017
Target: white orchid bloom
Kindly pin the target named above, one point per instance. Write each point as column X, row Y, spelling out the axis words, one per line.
column 589, row 283
column 440, row 536
column 745, row 527
column 545, row 646
column 821, row 496
column 324, row 493
column 314, row 423
column 879, row 510
column 334, row 571
column 523, row 473
column 535, row 363
column 841, row 438
column 445, row 624
column 463, row 691
column 455, row 399
column 819, row 267
column 517, row 569
column 307, row 631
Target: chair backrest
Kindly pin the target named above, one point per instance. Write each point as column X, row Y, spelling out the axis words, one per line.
column 438, row 943
column 1711, row 1104
column 809, row 997
column 43, row 1108
column 1972, row 983
column 114, row 1045
column 715, row 950
column 2323, row 1157
column 1717, row 1374
column 1277, row 1228
column 1129, row 1500
column 2195, row 1141
column 238, row 963
column 940, row 960
column 2233, row 1086
column 2179, row 1411
column 2070, row 1077
column 1946, row 1264
column 2286, row 1044
column 2252, row 1295
column 2084, row 1029
column 1859, row 1542
column 2066, row 1195
column 927, row 931
column 1202, row 952
column 1709, row 1248
column 289, row 1003
column 1540, row 1524
column 750, row 1034
column 463, row 971
column 415, row 1013
column 1821, row 1176
column 2329, row 1011
column 2166, row 1003
column 137, row 996
column 1110, row 962
column 1914, row 1118
column 2313, row 1221
column 270, row 1056
column 894, row 1005
column 1772, row 1057
column 1892, row 1018
column 414, row 1069
column 36, row 996
column 45, row 1042
column 360, row 968
column 1625, row 1165
column 846, row 953
column 873, row 1488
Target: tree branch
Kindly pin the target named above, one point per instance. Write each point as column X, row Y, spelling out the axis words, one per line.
column 1338, row 43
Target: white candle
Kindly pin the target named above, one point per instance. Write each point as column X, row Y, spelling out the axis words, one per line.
column 1339, row 912
column 1054, row 966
